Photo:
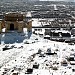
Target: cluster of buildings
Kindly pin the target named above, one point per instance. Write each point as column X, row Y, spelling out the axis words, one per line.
column 49, row 50
column 62, row 15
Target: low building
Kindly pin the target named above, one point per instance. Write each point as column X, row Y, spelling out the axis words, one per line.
column 15, row 22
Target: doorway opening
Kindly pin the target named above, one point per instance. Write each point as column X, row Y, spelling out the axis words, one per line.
column 11, row 26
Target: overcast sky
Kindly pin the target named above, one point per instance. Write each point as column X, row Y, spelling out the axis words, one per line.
column 57, row 0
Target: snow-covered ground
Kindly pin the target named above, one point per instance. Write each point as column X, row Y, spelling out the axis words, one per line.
column 22, row 56
column 41, row 22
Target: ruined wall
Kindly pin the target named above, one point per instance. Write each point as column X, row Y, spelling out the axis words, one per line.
column 20, row 26
column 29, row 25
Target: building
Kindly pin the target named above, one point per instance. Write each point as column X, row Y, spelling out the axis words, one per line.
column 15, row 22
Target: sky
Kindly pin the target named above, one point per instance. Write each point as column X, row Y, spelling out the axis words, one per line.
column 57, row 0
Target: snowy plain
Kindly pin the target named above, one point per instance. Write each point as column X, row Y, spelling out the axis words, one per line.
column 22, row 56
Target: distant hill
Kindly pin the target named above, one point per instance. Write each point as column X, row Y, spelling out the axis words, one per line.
column 17, row 0
column 59, row 0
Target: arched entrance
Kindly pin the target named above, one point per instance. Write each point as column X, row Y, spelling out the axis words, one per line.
column 11, row 26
